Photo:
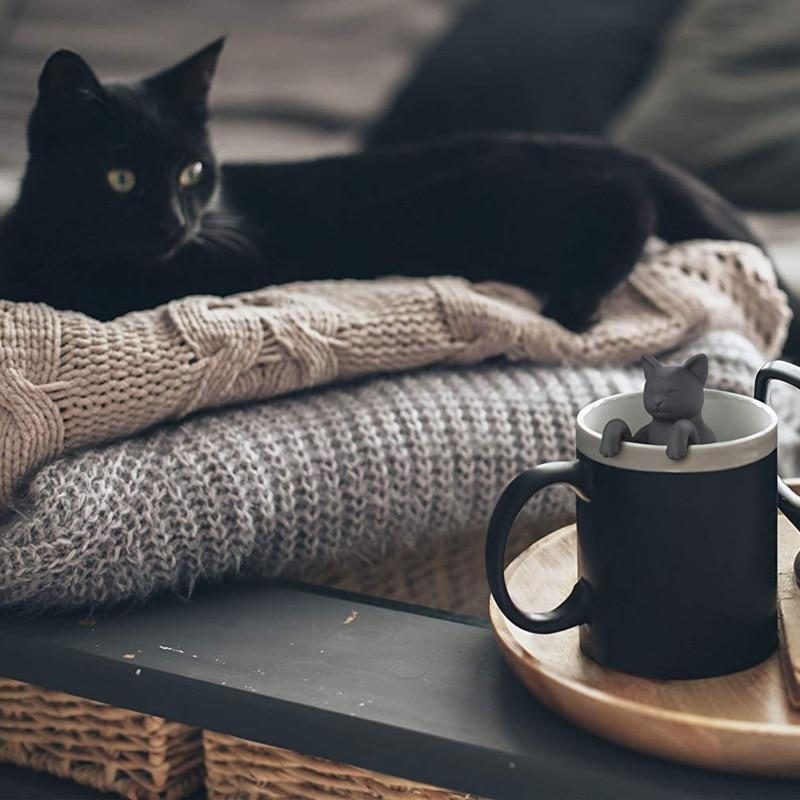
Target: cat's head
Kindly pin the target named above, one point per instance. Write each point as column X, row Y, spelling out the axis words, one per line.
column 672, row 393
column 127, row 167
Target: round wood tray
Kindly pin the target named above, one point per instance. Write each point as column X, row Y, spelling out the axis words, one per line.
column 738, row 723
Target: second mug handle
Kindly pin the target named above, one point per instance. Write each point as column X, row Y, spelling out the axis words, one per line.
column 788, row 501
column 575, row 610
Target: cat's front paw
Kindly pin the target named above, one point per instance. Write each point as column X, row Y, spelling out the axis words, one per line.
column 682, row 433
column 677, row 450
column 614, row 433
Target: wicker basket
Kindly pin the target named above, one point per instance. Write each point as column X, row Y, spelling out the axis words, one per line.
column 240, row 770
column 135, row 755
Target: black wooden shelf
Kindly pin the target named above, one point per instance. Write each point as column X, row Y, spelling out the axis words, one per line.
column 391, row 688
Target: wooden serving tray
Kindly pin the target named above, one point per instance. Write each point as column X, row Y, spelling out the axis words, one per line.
column 789, row 612
column 743, row 722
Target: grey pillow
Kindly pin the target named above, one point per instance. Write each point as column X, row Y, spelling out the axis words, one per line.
column 724, row 100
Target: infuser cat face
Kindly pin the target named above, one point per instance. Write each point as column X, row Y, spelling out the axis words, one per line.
column 674, row 392
column 127, row 167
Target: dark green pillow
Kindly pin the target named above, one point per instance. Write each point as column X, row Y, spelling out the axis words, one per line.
column 724, row 100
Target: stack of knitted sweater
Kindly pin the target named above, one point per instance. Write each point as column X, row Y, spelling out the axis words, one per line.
column 117, row 481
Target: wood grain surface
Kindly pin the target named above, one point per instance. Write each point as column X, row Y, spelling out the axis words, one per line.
column 789, row 614
column 741, row 723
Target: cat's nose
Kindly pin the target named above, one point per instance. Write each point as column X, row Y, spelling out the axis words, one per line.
column 171, row 231
column 172, row 224
column 168, row 231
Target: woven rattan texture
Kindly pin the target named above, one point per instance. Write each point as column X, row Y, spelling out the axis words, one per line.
column 137, row 756
column 241, row 770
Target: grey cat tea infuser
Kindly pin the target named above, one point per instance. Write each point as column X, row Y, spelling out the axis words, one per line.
column 673, row 397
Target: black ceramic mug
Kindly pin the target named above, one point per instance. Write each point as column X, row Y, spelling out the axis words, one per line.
column 677, row 560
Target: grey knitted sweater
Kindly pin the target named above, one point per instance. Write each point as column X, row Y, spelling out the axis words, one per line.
column 333, row 475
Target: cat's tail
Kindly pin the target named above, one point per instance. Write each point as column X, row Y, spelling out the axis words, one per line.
column 688, row 209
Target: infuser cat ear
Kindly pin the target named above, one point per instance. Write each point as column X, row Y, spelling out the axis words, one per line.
column 698, row 366
column 188, row 82
column 649, row 364
column 65, row 72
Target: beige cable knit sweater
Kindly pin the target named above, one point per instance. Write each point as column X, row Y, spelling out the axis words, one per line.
column 68, row 381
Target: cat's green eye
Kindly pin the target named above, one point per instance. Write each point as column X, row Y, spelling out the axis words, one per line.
column 191, row 174
column 121, row 180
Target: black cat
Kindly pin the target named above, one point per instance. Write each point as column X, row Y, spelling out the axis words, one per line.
column 116, row 208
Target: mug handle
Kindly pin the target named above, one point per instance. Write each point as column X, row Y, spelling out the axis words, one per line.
column 575, row 610
column 788, row 501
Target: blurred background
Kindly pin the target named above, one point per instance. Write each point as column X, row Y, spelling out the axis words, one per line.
column 711, row 84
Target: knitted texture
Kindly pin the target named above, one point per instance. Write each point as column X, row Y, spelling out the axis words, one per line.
column 347, row 475
column 68, row 381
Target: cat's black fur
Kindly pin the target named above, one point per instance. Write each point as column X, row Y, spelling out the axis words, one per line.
column 673, row 396
column 565, row 217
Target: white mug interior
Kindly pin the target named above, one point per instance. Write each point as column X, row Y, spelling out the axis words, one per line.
column 746, row 431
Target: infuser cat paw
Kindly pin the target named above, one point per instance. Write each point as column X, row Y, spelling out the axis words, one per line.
column 683, row 434
column 615, row 432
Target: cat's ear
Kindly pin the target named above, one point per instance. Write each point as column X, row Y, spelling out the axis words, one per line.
column 186, row 85
column 66, row 75
column 650, row 364
column 698, row 366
